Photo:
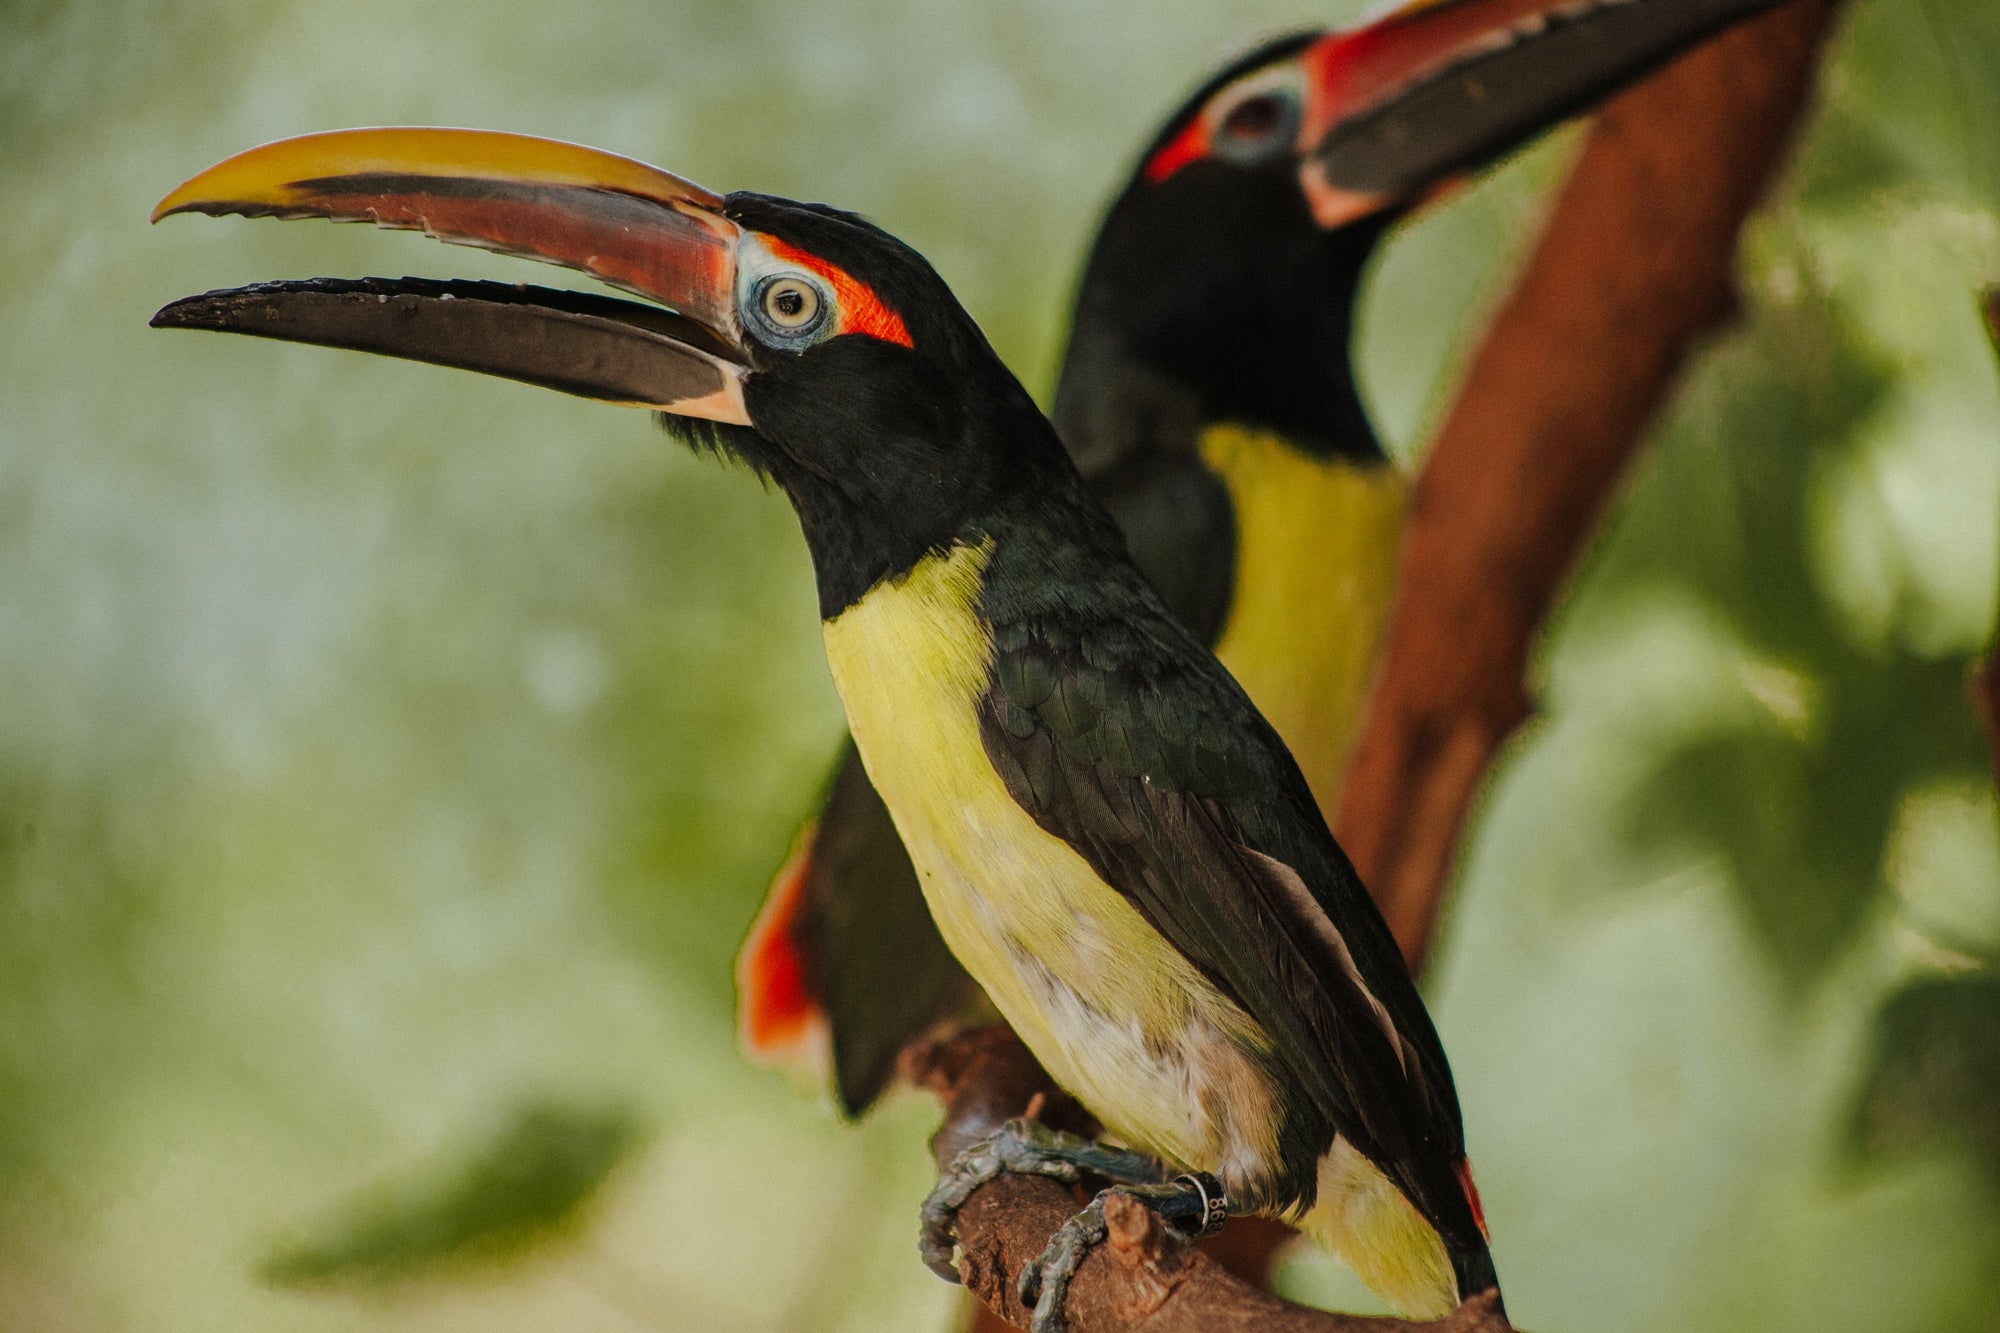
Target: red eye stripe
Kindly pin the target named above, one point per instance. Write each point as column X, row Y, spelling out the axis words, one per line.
column 856, row 307
column 1190, row 145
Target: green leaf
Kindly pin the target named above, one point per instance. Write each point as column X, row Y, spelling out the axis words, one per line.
column 1933, row 1080
column 525, row 1186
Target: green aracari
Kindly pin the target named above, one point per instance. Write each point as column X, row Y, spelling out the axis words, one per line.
column 1112, row 839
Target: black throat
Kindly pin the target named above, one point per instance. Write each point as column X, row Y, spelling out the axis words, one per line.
column 1212, row 297
column 887, row 458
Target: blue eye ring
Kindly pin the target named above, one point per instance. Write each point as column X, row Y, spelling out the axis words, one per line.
column 789, row 309
column 1257, row 127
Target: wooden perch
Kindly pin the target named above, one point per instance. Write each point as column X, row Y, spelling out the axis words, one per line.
column 1144, row 1277
column 1635, row 266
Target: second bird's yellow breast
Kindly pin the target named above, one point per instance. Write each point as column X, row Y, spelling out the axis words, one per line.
column 1316, row 549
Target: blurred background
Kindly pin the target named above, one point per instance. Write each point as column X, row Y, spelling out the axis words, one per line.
column 391, row 759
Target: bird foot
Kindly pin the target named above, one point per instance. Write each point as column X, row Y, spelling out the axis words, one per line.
column 1021, row 1147
column 1194, row 1204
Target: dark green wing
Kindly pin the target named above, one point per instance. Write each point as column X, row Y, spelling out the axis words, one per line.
column 883, row 972
column 1134, row 434
column 1119, row 733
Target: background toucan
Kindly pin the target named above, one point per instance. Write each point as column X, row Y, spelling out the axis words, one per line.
column 1208, row 396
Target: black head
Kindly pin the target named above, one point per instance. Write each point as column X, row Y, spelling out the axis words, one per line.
column 1212, row 294
column 885, row 415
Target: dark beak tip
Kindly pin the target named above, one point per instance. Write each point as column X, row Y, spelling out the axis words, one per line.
column 190, row 312
column 163, row 213
column 223, row 208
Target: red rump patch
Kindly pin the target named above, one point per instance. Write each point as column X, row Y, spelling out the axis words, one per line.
column 858, row 309
column 1472, row 1197
column 778, row 1018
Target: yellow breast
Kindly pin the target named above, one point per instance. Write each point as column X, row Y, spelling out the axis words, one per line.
column 1112, row 1011
column 1315, row 571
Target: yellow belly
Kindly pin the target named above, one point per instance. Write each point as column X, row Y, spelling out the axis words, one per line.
column 1113, row 1012
column 1315, row 571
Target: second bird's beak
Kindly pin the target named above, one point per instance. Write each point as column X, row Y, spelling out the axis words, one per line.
column 631, row 225
column 1399, row 105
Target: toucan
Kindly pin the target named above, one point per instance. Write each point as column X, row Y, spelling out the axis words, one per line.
column 1111, row 837
column 1113, row 841
column 1207, row 396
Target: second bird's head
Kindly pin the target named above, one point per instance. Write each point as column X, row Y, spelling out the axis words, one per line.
column 1222, row 283
column 1215, row 291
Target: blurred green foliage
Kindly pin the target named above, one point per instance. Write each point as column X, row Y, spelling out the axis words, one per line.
column 507, row 1194
column 1933, row 1079
column 393, row 755
column 1798, row 788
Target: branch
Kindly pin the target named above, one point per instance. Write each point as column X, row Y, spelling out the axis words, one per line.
column 1144, row 1277
column 1635, row 266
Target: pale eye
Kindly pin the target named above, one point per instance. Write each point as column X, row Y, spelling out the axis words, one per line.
column 1254, row 118
column 788, row 309
column 790, row 304
column 1259, row 127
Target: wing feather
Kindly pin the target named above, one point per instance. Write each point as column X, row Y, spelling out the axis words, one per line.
column 1119, row 733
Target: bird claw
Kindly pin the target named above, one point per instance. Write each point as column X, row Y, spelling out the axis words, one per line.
column 1044, row 1281
column 1018, row 1147
column 1194, row 1203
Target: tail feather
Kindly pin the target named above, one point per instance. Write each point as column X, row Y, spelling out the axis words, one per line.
column 780, row 1019
column 1363, row 1218
column 1475, row 1273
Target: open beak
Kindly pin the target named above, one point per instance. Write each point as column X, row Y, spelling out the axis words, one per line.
column 1437, row 87
column 624, row 222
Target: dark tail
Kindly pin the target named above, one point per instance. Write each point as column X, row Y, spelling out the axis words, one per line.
column 1475, row 1273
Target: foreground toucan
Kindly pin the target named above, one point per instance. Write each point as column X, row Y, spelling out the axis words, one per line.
column 1207, row 396
column 1113, row 841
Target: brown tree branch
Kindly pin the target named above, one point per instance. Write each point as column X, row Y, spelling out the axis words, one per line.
column 1144, row 1277
column 1635, row 266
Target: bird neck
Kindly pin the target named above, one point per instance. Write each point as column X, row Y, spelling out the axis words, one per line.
column 876, row 498
column 1167, row 342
